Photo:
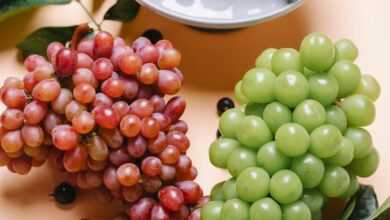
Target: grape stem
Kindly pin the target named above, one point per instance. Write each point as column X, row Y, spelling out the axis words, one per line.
column 98, row 26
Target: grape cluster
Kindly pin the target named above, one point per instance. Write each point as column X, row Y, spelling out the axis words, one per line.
column 297, row 138
column 103, row 112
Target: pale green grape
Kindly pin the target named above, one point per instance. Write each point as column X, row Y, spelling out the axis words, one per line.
column 316, row 215
column 264, row 60
column 310, row 170
column 347, row 75
column 359, row 109
column 271, row 159
column 217, row 192
column 346, row 50
column 335, row 182
column 291, row 88
column 211, row 211
column 275, row 115
column 286, row 59
column 292, row 139
column 344, row 155
column 307, row 73
column 317, row 52
column 235, row 209
column 324, row 141
column 313, row 199
column 220, row 150
column 255, row 109
column 252, row 184
column 352, row 188
column 229, row 189
column 265, row 209
column 239, row 95
column 323, row 88
column 229, row 121
column 285, row 187
column 296, row 211
column 336, row 116
column 369, row 87
column 366, row 166
column 239, row 160
column 310, row 114
column 362, row 141
column 253, row 132
column 258, row 85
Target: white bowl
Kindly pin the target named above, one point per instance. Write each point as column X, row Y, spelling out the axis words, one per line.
column 221, row 14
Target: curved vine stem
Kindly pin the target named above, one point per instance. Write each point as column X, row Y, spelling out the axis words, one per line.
column 98, row 26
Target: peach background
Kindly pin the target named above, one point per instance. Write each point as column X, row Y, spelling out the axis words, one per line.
column 213, row 62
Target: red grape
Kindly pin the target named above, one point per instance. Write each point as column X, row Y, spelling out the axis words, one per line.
column 83, row 75
column 163, row 120
column 168, row 173
column 179, row 126
column 118, row 52
column 64, row 137
column 140, row 43
column 75, row 159
column 168, row 82
column 46, row 90
column 84, row 93
column 59, row 104
column 83, row 123
column 33, row 136
column 113, row 87
column 171, row 198
column 136, row 147
column 148, row 74
column 66, row 61
column 110, row 179
column 112, row 137
column 130, row 64
column 12, row 119
column 159, row 213
column 32, row 61
column 142, row 108
column 105, row 117
column 128, row 174
column 191, row 191
column 102, row 68
column 131, row 88
column 121, row 108
column 133, row 193
column 170, row 155
column 84, row 61
column 29, row 81
column 86, row 46
column 151, row 184
column 151, row 166
column 142, row 209
column 119, row 157
column 14, row 98
column 52, row 50
column 163, row 45
column 72, row 109
column 179, row 140
column 149, row 54
column 12, row 141
column 35, row 112
column 175, row 108
column 101, row 99
column 103, row 44
column 157, row 144
column 184, row 164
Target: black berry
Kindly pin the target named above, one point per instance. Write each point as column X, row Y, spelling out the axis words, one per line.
column 153, row 35
column 64, row 193
column 224, row 104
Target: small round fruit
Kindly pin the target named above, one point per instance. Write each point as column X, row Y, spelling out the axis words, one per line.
column 212, row 210
column 291, row 88
column 216, row 193
column 347, row 75
column 271, row 159
column 220, row 150
column 64, row 193
column 317, row 52
column 265, row 58
column 313, row 199
column 352, row 188
column 265, row 209
column 252, row 184
column 366, row 166
column 310, row 170
column 239, row 95
column 229, row 122
column 310, row 114
column 224, row 104
column 323, row 88
column 369, row 87
column 254, row 132
column 335, row 182
column 336, row 116
column 229, row 189
column 346, row 50
column 235, row 209
column 240, row 159
column 275, row 115
column 296, row 210
column 325, row 140
column 292, row 140
column 286, row 59
column 286, row 187
column 258, row 85
column 344, row 155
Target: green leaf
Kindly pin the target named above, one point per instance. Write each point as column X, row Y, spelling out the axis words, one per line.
column 123, row 10
column 37, row 42
column 362, row 205
column 9, row 8
column 383, row 213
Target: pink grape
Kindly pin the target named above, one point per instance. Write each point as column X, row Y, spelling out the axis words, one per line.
column 66, row 61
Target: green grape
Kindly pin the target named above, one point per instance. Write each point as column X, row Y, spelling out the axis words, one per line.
column 336, row 116
column 285, row 187
column 258, row 85
column 313, row 199
column 229, row 122
column 310, row 170
column 316, row 215
column 366, row 166
column 347, row 75
column 271, row 159
column 265, row 209
column 324, row 141
column 323, row 88
column 235, row 209
column 335, row 182
column 239, row 95
column 286, row 59
column 352, row 188
column 264, row 60
column 252, row 184
column 296, row 211
column 254, row 132
column 229, row 189
column 291, row 88
column 344, row 155
column 292, row 139
column 359, row 109
column 255, row 109
column 275, row 115
column 241, row 108
column 307, row 73
column 220, row 150
column 310, row 114
column 211, row 211
column 362, row 141
column 317, row 52
column 346, row 50
column 217, row 192
column 239, row 160
column 369, row 87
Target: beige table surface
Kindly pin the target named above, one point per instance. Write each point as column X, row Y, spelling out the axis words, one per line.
column 213, row 62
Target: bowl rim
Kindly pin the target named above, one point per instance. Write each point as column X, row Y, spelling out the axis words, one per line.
column 220, row 23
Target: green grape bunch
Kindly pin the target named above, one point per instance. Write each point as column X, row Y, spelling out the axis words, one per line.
column 298, row 137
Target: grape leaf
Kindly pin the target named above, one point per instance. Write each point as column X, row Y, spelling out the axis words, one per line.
column 383, row 212
column 37, row 42
column 9, row 8
column 362, row 205
column 123, row 10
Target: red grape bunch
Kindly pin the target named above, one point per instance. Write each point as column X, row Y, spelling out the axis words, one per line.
column 104, row 112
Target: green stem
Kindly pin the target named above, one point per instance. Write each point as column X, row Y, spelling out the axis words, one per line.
column 89, row 15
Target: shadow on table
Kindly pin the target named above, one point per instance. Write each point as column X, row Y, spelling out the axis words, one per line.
column 216, row 60
column 37, row 187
